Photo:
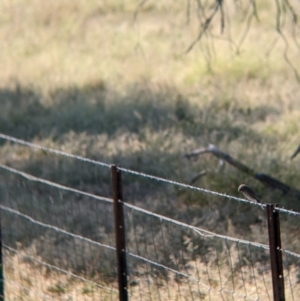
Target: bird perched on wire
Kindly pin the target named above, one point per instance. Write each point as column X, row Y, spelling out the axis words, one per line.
column 296, row 152
column 249, row 194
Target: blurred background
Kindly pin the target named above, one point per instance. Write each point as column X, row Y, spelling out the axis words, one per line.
column 141, row 83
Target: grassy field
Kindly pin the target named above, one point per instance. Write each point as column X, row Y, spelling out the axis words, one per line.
column 90, row 79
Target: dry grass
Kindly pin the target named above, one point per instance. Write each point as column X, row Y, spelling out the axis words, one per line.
column 85, row 78
column 29, row 280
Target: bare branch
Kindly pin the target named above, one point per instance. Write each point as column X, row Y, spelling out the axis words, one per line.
column 254, row 9
column 223, row 156
column 141, row 4
column 245, row 31
column 286, row 25
column 204, row 27
column 188, row 11
column 222, row 17
column 263, row 178
column 198, row 176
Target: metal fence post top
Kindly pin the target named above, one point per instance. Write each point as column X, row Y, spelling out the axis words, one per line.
column 114, row 167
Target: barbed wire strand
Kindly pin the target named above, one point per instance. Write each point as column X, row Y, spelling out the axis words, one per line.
column 85, row 239
column 55, row 228
column 58, row 269
column 141, row 174
column 53, row 184
column 110, row 247
column 93, row 242
column 197, row 280
column 89, row 240
column 291, row 253
column 176, row 183
column 52, row 150
column 200, row 231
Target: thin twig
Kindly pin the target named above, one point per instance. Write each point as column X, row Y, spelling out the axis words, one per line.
column 141, row 4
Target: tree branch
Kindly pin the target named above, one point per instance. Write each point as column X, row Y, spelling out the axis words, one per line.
column 263, row 178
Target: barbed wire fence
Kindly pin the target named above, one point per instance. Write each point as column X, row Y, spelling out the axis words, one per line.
column 60, row 243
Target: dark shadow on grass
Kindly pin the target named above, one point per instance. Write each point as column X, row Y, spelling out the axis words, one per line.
column 139, row 112
column 95, row 109
column 27, row 114
column 136, row 114
column 143, row 111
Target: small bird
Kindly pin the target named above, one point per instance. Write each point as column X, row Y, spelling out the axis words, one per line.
column 296, row 152
column 249, row 193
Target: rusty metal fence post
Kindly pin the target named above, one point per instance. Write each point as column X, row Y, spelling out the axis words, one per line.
column 275, row 253
column 119, row 232
column 1, row 265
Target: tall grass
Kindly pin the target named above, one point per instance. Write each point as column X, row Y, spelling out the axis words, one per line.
column 90, row 79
